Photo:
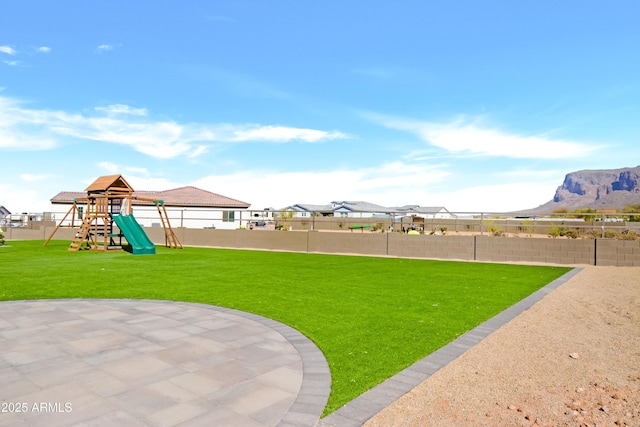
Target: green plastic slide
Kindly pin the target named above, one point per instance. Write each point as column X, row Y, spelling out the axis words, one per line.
column 135, row 235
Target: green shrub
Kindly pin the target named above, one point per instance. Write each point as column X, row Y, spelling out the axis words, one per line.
column 563, row 232
column 593, row 234
column 610, row 234
column 527, row 227
column 495, row 230
column 632, row 209
column 629, row 235
column 555, row 231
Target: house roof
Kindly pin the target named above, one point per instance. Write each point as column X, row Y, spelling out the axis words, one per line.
column 4, row 211
column 115, row 183
column 428, row 209
column 193, row 196
column 181, row 197
column 304, row 207
column 360, row 206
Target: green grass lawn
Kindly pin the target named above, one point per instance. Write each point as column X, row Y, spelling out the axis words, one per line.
column 370, row 316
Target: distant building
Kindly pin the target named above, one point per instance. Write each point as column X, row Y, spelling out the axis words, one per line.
column 426, row 212
column 361, row 209
column 4, row 215
column 187, row 207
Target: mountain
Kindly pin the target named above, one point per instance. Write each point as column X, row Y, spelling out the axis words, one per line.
column 596, row 189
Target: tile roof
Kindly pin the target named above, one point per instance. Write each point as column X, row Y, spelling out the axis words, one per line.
column 193, row 196
column 188, row 196
column 311, row 208
column 359, row 206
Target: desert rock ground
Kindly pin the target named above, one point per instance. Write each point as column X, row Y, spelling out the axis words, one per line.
column 573, row 359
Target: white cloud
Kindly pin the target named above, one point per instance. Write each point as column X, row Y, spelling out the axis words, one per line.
column 31, row 129
column 44, row 49
column 22, row 129
column 463, row 137
column 507, row 197
column 283, row 134
column 116, row 109
column 147, row 183
column 29, row 177
column 18, row 198
column 8, row 50
column 113, row 168
column 12, row 63
column 390, row 183
column 104, row 47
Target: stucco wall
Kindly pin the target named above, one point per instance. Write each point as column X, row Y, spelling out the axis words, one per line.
column 480, row 248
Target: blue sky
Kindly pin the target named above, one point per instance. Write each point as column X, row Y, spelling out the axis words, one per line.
column 475, row 106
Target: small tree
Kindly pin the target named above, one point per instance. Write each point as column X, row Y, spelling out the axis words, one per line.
column 286, row 219
column 555, row 231
column 493, row 229
column 1, row 237
column 632, row 209
column 527, row 227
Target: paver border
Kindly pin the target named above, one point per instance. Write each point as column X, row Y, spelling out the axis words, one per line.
column 368, row 404
column 316, row 376
column 315, row 388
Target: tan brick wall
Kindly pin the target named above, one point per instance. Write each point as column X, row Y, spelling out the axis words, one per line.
column 295, row 241
column 622, row 253
column 15, row 233
column 555, row 251
column 481, row 248
column 366, row 243
column 425, row 246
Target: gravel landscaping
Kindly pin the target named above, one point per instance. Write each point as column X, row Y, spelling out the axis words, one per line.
column 573, row 359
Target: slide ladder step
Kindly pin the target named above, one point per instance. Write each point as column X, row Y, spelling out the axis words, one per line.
column 81, row 235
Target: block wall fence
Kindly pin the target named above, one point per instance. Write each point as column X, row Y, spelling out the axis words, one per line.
column 602, row 252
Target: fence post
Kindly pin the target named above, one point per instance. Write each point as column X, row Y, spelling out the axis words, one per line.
column 475, row 248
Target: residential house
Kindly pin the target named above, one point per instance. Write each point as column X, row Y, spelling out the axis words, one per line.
column 186, row 206
column 433, row 212
column 307, row 210
column 361, row 209
column 4, row 216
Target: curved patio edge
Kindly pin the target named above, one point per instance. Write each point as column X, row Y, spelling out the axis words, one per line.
column 316, row 377
column 315, row 385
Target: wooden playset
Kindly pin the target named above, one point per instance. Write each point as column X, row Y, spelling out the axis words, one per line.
column 108, row 203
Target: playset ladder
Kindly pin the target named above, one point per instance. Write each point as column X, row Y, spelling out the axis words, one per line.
column 170, row 237
column 81, row 235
